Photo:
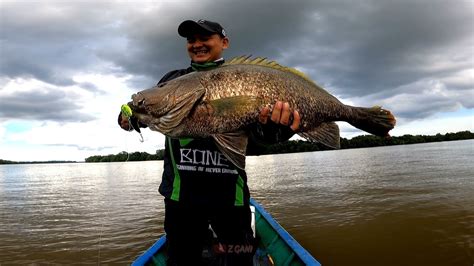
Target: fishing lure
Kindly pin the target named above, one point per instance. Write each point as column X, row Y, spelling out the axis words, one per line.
column 133, row 122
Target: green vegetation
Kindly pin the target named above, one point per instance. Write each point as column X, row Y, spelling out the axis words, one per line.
column 124, row 156
column 302, row 146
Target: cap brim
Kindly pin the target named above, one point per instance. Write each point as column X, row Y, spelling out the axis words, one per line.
column 189, row 27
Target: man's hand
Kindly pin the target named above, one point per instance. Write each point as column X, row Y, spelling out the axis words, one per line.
column 281, row 115
column 123, row 123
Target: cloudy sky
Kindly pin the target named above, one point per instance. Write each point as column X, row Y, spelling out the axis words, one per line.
column 67, row 66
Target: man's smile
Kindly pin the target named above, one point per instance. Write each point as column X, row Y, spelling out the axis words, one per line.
column 201, row 52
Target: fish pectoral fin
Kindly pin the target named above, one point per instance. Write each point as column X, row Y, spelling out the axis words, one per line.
column 180, row 110
column 229, row 105
column 326, row 134
column 233, row 145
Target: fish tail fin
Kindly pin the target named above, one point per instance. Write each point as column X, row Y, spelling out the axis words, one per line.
column 374, row 120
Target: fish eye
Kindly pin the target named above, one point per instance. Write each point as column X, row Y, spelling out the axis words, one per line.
column 161, row 84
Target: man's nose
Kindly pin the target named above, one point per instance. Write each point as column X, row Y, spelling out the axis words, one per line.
column 197, row 43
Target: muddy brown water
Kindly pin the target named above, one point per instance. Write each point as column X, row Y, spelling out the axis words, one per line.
column 399, row 205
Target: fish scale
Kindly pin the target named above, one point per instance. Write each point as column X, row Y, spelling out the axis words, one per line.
column 271, row 87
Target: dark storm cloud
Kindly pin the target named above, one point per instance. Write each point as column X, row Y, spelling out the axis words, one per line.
column 50, row 104
column 379, row 46
column 52, row 42
column 357, row 49
column 154, row 46
column 363, row 50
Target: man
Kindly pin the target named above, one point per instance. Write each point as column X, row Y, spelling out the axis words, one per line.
column 201, row 187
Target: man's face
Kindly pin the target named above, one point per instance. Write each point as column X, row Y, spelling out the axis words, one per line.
column 206, row 48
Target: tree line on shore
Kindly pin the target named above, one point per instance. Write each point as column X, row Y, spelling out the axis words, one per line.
column 291, row 146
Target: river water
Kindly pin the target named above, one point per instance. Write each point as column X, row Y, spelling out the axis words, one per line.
column 399, row 205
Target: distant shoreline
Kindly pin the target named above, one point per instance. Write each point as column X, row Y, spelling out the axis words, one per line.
column 293, row 146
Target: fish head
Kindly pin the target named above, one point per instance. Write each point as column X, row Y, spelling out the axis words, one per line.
column 157, row 100
column 169, row 102
column 164, row 97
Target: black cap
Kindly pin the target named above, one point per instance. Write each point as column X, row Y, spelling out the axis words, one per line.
column 190, row 27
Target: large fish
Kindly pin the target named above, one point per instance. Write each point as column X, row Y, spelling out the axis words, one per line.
column 221, row 103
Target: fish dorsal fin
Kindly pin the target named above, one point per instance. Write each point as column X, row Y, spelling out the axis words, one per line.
column 262, row 61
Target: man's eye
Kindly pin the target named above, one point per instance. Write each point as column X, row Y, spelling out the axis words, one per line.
column 191, row 40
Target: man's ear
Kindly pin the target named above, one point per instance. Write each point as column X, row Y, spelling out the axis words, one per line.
column 225, row 42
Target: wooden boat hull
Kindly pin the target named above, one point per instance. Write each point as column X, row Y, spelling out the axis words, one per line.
column 275, row 245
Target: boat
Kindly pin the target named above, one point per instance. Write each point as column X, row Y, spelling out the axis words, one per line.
column 275, row 245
